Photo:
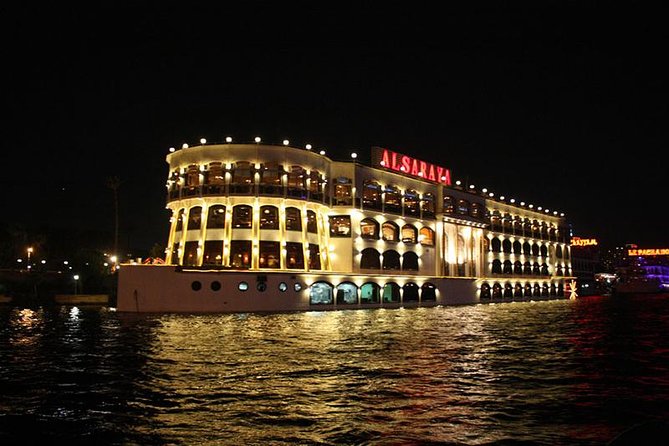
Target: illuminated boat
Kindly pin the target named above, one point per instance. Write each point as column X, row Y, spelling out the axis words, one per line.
column 646, row 272
column 264, row 227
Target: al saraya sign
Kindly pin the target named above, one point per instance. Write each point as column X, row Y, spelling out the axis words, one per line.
column 407, row 165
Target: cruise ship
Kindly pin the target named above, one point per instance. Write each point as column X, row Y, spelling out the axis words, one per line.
column 259, row 227
column 646, row 271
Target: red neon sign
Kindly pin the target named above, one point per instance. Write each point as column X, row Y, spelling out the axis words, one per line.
column 407, row 165
column 648, row 252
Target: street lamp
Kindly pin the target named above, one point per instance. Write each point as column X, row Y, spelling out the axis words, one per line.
column 30, row 251
column 76, row 279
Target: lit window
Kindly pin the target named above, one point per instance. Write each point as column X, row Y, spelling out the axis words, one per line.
column 293, row 219
column 340, row 226
column 269, row 217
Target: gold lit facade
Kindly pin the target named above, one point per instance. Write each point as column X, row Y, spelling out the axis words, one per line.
column 255, row 220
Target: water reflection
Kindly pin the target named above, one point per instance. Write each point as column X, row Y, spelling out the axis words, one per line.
column 557, row 372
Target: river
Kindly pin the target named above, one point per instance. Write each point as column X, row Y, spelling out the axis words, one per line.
column 562, row 372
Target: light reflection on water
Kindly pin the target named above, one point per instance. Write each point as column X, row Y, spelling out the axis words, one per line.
column 553, row 372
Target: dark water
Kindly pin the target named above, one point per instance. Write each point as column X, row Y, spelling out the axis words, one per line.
column 546, row 373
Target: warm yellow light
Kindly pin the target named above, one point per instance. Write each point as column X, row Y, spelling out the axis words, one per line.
column 257, row 139
column 286, row 142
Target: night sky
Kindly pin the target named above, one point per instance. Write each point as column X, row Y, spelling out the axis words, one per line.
column 562, row 105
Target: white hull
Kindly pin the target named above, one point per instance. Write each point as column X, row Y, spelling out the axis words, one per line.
column 162, row 288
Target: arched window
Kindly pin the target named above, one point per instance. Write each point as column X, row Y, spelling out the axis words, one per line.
column 497, row 291
column 369, row 229
column 535, row 249
column 369, row 293
column 528, row 290
column 410, row 292
column 543, row 250
column 392, row 200
column 269, row 217
column 312, row 224
column 508, row 290
column 294, row 255
column 558, row 251
column 347, row 293
column 409, row 234
column 216, row 217
column 411, row 203
column 428, row 292
column 391, row 292
column 242, row 216
column 496, row 245
column 390, row 231
column 517, row 247
column 544, row 269
column 544, row 290
column 527, row 268
column 195, row 218
column 506, row 246
column 517, row 267
column 180, row 220
column 410, row 261
column 508, row 268
column 537, row 290
column 518, row 290
column 370, row 259
column 497, row 266
column 527, row 249
column 485, row 291
column 293, row 219
column 536, row 269
column 371, row 195
column 426, row 236
column 320, row 293
column 391, row 260
column 553, row 290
